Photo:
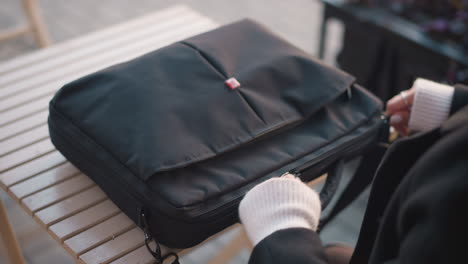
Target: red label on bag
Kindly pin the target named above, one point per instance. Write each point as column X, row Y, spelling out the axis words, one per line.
column 232, row 83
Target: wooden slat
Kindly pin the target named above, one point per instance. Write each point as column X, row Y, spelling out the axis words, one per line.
column 23, row 125
column 73, row 208
column 126, row 52
column 83, row 220
column 25, row 154
column 239, row 242
column 147, row 37
column 89, row 39
column 30, row 95
column 114, row 249
column 70, row 206
column 138, row 256
column 17, row 113
column 44, row 180
column 31, row 168
column 24, row 110
column 87, row 51
column 98, row 234
column 23, row 139
column 32, row 88
column 57, row 193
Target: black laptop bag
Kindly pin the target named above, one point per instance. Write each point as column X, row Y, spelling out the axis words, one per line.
column 176, row 137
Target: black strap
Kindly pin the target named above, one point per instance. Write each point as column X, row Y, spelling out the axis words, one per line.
column 156, row 252
column 362, row 178
column 331, row 184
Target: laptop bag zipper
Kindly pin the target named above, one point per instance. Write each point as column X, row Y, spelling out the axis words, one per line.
column 301, row 170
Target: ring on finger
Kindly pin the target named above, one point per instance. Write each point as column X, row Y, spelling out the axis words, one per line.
column 404, row 96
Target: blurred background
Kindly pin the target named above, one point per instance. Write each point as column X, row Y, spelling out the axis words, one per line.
column 384, row 43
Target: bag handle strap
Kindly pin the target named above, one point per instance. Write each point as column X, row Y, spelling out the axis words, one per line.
column 363, row 175
column 331, row 183
column 362, row 178
column 156, row 253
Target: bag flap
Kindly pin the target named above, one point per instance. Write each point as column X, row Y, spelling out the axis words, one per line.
column 274, row 74
column 171, row 107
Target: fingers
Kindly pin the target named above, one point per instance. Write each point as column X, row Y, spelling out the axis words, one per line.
column 399, row 111
column 289, row 176
column 397, row 103
column 399, row 120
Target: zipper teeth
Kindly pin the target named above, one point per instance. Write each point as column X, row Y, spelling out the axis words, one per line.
column 308, row 164
column 305, row 166
column 233, row 202
column 346, row 148
column 300, row 169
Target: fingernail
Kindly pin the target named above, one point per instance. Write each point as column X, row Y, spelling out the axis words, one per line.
column 395, row 119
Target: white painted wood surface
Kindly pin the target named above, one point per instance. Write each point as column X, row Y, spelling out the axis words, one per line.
column 67, row 203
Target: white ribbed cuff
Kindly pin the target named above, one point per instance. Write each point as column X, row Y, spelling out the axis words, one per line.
column 431, row 105
column 277, row 204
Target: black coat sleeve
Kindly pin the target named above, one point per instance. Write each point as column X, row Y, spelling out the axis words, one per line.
column 460, row 98
column 294, row 245
column 430, row 206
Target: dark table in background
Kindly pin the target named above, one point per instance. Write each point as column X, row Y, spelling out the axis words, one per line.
column 386, row 52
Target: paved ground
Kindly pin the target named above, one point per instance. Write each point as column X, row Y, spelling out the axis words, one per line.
column 296, row 20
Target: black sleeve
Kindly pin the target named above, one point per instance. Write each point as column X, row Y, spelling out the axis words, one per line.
column 460, row 98
column 294, row 245
column 432, row 217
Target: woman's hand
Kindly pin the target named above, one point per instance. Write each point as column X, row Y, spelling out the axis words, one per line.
column 279, row 203
column 399, row 110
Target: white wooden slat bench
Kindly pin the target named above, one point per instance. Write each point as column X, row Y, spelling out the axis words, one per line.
column 73, row 209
